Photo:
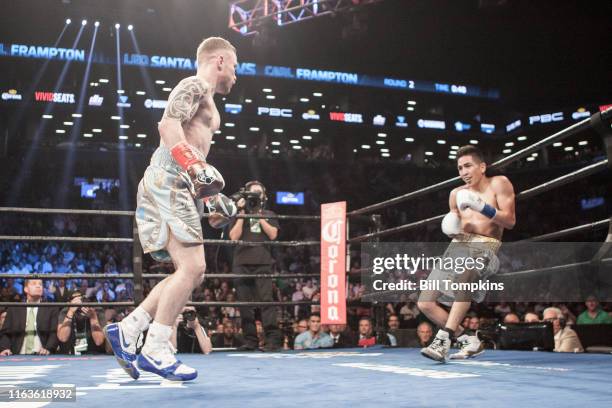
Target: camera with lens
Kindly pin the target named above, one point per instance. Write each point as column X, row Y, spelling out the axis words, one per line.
column 189, row 315
column 253, row 201
column 79, row 309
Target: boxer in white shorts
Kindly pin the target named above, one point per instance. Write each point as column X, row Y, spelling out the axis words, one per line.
column 176, row 187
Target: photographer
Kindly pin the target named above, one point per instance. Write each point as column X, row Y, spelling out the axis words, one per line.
column 79, row 329
column 188, row 335
column 255, row 260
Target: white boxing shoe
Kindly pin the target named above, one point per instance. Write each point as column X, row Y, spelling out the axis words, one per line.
column 159, row 359
column 469, row 347
column 439, row 347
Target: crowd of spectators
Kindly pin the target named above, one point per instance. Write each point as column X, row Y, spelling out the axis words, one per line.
column 223, row 323
column 361, row 184
column 302, row 328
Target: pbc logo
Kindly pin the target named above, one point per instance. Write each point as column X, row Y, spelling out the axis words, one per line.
column 546, row 118
column 276, row 112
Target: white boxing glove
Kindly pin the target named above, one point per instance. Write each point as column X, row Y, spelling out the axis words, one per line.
column 451, row 224
column 469, row 199
column 222, row 210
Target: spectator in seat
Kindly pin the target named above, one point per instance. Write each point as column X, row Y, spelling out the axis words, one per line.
column 341, row 336
column 309, row 289
column 60, row 292
column 30, row 330
column 566, row 339
column 531, row 318
column 474, row 323
column 593, row 313
column 89, row 292
column 511, row 318
column 228, row 338
column 313, row 338
column 301, row 327
column 394, row 324
column 105, row 294
column 297, row 296
column 424, row 334
column 409, row 313
column 259, row 330
column 230, row 311
column 367, row 338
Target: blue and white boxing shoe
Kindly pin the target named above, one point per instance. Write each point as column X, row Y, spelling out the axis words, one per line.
column 160, row 360
column 123, row 348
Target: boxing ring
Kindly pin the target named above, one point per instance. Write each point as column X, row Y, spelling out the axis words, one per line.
column 367, row 377
column 351, row 377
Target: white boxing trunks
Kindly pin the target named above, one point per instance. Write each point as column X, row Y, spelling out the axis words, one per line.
column 473, row 246
column 164, row 203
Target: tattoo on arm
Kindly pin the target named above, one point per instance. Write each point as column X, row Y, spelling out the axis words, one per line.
column 184, row 100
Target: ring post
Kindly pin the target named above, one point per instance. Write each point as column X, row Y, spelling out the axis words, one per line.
column 137, row 265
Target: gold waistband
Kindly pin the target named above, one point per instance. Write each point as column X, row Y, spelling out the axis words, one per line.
column 491, row 243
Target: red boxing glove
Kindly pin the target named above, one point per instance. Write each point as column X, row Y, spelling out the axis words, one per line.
column 205, row 179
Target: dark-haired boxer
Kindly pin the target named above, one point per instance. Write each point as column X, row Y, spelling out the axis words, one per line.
column 479, row 212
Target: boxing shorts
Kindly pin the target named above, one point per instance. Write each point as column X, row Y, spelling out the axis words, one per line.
column 164, row 203
column 473, row 246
